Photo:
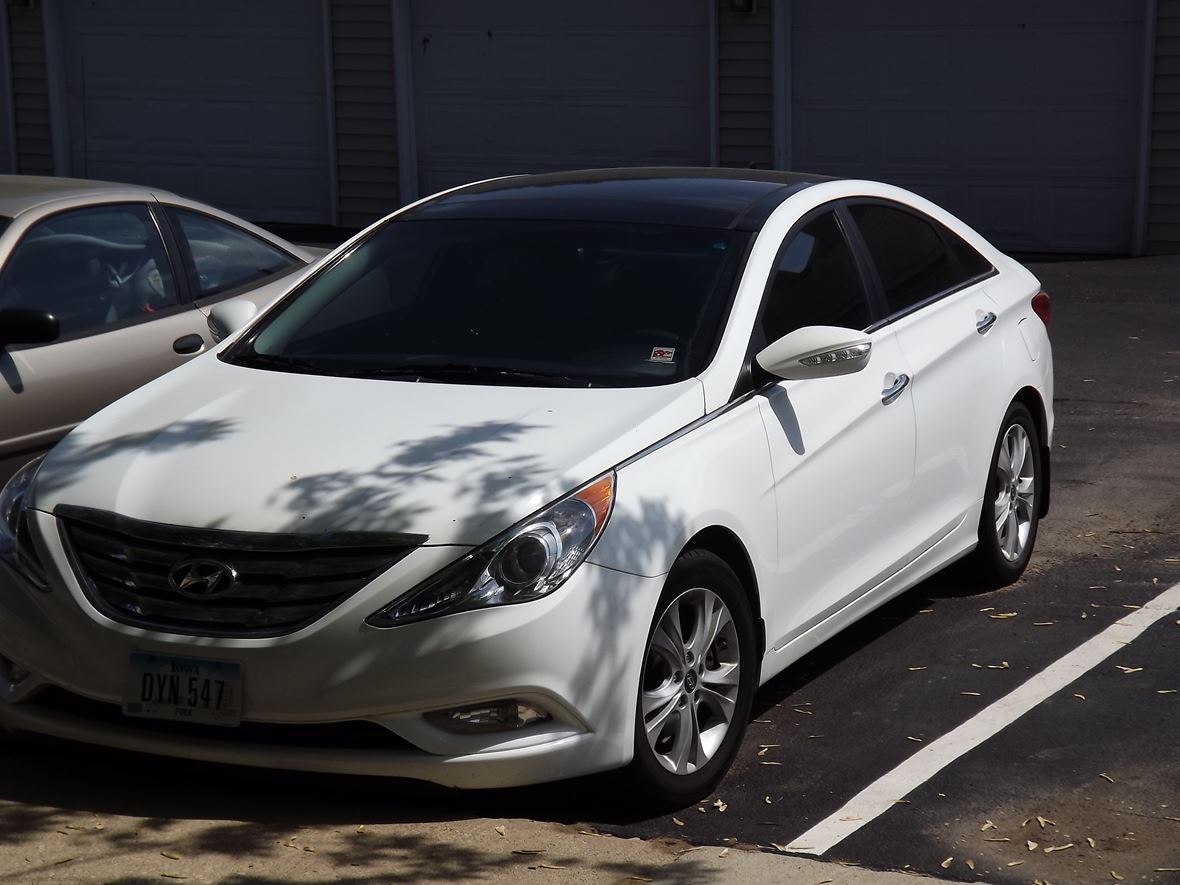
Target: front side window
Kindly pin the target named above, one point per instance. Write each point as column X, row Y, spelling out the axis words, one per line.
column 911, row 255
column 91, row 268
column 816, row 283
column 225, row 257
column 511, row 302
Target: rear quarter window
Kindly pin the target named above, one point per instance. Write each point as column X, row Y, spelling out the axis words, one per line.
column 916, row 257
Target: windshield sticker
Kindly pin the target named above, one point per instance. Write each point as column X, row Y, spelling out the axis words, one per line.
column 662, row 355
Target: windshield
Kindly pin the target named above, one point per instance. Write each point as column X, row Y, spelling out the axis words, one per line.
column 527, row 302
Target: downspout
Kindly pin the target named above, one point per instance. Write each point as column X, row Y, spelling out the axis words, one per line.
column 330, row 89
column 780, row 91
column 1143, row 171
column 403, row 88
column 714, row 85
column 55, row 76
column 6, row 85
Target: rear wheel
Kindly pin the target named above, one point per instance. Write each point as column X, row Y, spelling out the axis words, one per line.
column 1011, row 504
column 698, row 681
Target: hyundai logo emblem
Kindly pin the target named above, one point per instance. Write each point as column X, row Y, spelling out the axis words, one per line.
column 202, row 578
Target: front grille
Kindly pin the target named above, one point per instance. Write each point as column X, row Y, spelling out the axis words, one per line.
column 284, row 582
column 357, row 734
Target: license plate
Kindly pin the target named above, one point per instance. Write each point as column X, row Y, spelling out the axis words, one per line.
column 183, row 689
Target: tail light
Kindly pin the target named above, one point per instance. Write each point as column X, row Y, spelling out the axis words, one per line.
column 1040, row 306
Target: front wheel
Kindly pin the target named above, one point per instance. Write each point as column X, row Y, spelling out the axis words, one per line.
column 1011, row 504
column 698, row 681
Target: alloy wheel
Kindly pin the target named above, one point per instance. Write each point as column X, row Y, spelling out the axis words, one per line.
column 1015, row 491
column 691, row 680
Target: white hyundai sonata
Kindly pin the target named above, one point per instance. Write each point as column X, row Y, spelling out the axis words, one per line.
column 537, row 477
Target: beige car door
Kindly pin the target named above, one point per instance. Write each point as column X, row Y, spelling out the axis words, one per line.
column 104, row 273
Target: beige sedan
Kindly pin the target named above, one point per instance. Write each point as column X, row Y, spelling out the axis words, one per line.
column 105, row 286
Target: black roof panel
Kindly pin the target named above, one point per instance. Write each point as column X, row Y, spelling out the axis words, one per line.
column 704, row 197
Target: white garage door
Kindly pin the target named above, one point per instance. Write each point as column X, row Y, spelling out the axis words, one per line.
column 525, row 86
column 1021, row 117
column 221, row 100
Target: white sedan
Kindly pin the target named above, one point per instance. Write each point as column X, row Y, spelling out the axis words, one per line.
column 538, row 477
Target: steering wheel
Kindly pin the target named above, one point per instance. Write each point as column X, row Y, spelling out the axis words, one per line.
column 114, row 279
column 147, row 287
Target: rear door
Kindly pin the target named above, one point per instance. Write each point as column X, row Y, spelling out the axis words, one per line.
column 105, row 273
column 842, row 449
column 934, row 287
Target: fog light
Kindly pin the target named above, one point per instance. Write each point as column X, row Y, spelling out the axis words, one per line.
column 506, row 715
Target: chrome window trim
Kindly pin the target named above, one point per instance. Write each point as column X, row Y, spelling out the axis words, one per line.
column 926, row 302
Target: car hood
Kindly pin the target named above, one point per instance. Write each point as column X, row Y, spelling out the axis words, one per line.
column 220, row 446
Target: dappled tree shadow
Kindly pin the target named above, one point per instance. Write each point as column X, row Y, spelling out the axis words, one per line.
column 19, row 823
column 351, row 853
column 376, row 499
column 75, row 455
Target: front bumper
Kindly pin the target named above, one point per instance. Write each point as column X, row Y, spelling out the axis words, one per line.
column 578, row 653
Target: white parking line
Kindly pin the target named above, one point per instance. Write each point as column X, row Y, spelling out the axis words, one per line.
column 880, row 796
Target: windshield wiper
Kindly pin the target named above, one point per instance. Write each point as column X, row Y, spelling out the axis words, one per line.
column 475, row 371
column 440, row 371
column 256, row 360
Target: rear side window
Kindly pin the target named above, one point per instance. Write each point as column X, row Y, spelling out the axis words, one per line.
column 913, row 259
column 224, row 257
column 816, row 282
column 974, row 264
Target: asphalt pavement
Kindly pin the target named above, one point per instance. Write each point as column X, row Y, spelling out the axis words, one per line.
column 1083, row 787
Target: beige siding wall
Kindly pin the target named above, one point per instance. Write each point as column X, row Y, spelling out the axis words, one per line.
column 366, row 120
column 744, row 88
column 30, row 90
column 1163, row 199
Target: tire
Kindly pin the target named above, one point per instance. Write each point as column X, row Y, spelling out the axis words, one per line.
column 1011, row 504
column 693, row 703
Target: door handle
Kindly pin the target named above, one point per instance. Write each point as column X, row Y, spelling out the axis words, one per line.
column 988, row 320
column 889, row 394
column 187, row 344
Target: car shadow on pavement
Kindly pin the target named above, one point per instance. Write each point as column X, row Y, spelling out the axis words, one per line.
column 58, row 774
column 946, row 584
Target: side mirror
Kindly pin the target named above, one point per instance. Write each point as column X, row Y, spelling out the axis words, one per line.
column 19, row 325
column 228, row 316
column 816, row 352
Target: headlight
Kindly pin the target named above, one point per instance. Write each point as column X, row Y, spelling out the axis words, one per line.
column 16, row 544
column 530, row 560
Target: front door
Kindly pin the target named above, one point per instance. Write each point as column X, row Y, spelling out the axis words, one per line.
column 104, row 273
column 842, row 449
